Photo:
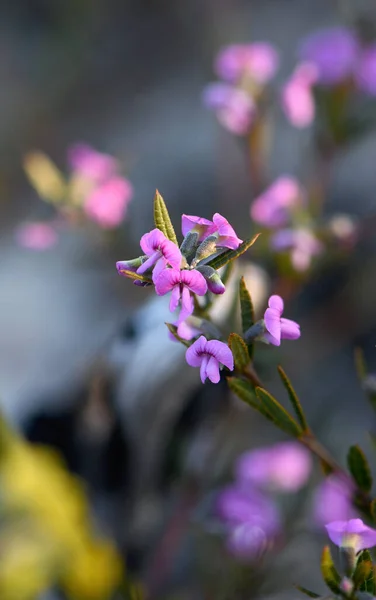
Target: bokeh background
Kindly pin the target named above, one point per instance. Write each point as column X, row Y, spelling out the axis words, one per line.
column 127, row 78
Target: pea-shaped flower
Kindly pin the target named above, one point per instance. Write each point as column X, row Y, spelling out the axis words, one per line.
column 277, row 327
column 351, row 534
column 209, row 355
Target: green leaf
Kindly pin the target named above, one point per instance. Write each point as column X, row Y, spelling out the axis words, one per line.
column 360, row 363
column 174, row 330
column 239, row 350
column 294, row 399
column 225, row 257
column 133, row 275
column 307, row 592
column 245, row 391
column 247, row 312
column 359, row 468
column 329, row 572
column 162, row 218
column 363, row 577
column 279, row 415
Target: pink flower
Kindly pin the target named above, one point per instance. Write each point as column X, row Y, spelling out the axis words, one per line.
column 297, row 96
column 303, row 244
column 283, row 467
column 181, row 284
column 185, row 329
column 107, row 203
column 258, row 61
column 235, row 110
column 351, row 534
column 160, row 251
column 36, row 236
column 209, row 355
column 277, row 327
column 365, row 73
column 219, row 226
column 332, row 501
column 247, row 541
column 87, row 162
column 273, row 207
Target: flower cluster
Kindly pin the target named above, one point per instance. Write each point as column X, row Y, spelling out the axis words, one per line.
column 94, row 190
column 244, row 70
column 251, row 515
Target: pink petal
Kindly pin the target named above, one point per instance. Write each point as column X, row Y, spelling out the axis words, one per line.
column 149, row 262
column 36, row 236
column 195, row 281
column 290, row 330
column 221, row 352
column 203, row 368
column 166, row 281
column 227, row 235
column 212, row 370
column 171, row 253
column 152, row 241
column 276, row 302
column 175, row 298
column 273, row 324
column 298, row 103
column 187, row 331
column 195, row 352
column 160, row 265
column 199, row 224
column 89, row 163
column 187, row 305
column 107, row 203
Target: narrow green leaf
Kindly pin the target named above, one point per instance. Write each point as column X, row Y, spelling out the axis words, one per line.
column 329, row 572
column 294, row 399
column 239, row 350
column 373, row 510
column 133, row 275
column 162, row 218
column 360, row 363
column 307, row 592
column 359, row 468
column 225, row 257
column 245, row 391
column 279, row 415
column 174, row 331
column 246, row 311
column 363, row 577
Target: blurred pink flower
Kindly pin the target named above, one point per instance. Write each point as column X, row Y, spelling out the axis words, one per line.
column 302, row 243
column 332, row 501
column 258, row 61
column 365, row 74
column 36, row 236
column 107, row 203
column 297, row 96
column 334, row 51
column 283, row 467
column 273, row 207
column 87, row 162
column 235, row 110
column 352, row 534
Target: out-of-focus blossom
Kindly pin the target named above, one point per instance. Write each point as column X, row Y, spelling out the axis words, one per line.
column 209, row 355
column 334, row 51
column 344, row 228
column 218, row 227
column 247, row 541
column 36, row 236
column 181, row 284
column 303, row 244
column 88, row 163
column 274, row 206
column 297, row 96
column 107, row 204
column 45, row 177
column 277, row 327
column 160, row 251
column 234, row 108
column 283, row 467
column 351, row 534
column 332, row 501
column 258, row 62
column 365, row 73
column 185, row 329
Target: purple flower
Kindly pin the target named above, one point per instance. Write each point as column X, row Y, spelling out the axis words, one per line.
column 219, row 226
column 365, row 74
column 160, row 251
column 278, row 328
column 334, row 51
column 36, row 236
column 351, row 534
column 107, row 203
column 332, row 501
column 258, row 61
column 247, row 541
column 88, row 163
column 209, row 355
column 283, row 467
column 131, row 265
column 181, row 284
column 236, row 505
column 272, row 208
column 303, row 244
column 235, row 110
column 297, row 96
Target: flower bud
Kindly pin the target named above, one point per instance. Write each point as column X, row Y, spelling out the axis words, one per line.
column 254, row 332
column 205, row 249
column 189, row 244
column 346, row 586
column 213, row 280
